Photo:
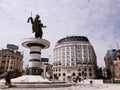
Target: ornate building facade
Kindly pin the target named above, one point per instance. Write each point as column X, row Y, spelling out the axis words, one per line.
column 11, row 60
column 74, row 56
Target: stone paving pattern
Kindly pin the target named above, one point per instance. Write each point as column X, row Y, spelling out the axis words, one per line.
column 77, row 87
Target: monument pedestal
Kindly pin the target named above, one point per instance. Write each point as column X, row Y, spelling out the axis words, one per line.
column 34, row 68
column 35, row 45
column 33, row 79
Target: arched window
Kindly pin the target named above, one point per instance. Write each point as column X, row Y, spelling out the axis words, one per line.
column 79, row 74
column 90, row 69
column 79, row 69
column 90, row 74
column 59, row 74
column 63, row 74
column 73, row 74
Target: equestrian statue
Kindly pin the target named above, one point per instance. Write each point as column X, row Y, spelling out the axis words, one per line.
column 36, row 26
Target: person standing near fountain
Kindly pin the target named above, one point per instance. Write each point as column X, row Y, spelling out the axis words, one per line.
column 7, row 77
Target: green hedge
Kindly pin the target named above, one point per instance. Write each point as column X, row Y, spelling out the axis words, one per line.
column 117, row 81
column 110, row 81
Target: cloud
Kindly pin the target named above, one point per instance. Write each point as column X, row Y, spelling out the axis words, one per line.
column 97, row 19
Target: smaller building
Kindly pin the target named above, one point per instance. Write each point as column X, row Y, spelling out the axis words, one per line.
column 117, row 65
column 47, row 68
column 109, row 59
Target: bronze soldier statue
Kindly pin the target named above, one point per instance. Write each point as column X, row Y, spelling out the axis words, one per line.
column 37, row 26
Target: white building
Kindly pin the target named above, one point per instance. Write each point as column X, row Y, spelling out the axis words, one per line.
column 74, row 56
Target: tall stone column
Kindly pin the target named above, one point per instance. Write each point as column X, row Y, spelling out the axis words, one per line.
column 35, row 45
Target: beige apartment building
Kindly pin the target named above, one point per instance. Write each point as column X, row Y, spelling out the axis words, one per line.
column 117, row 65
column 74, row 57
column 11, row 60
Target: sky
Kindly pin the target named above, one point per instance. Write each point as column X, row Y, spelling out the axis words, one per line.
column 99, row 20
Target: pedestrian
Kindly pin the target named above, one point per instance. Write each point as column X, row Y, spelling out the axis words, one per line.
column 8, row 79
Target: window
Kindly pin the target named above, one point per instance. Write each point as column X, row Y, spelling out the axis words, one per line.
column 68, row 71
column 59, row 74
column 63, row 74
column 67, row 48
column 3, row 62
column 11, row 67
column 11, row 62
column 90, row 74
column 84, row 47
column 2, row 67
column 59, row 69
column 85, row 74
column 79, row 74
column 73, row 63
column 90, row 69
column 4, row 56
column 12, row 57
column 68, row 64
column 63, row 64
column 90, row 60
column 73, row 74
column 79, row 69
column 72, row 59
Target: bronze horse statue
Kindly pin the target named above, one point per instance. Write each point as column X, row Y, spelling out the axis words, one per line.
column 37, row 26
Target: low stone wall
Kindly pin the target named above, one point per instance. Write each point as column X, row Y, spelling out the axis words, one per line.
column 38, row 85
